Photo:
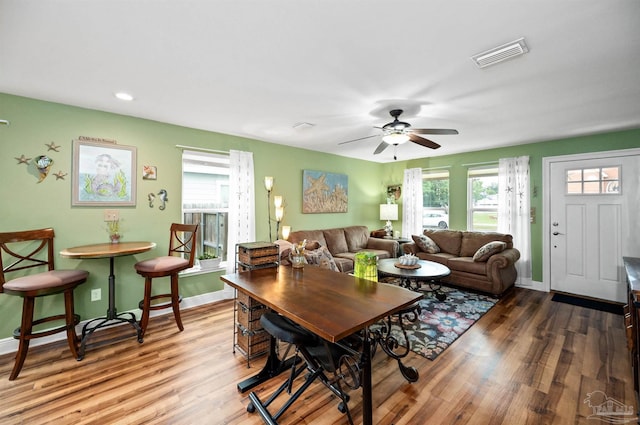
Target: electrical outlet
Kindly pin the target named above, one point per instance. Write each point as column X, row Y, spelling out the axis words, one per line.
column 96, row 294
column 111, row 215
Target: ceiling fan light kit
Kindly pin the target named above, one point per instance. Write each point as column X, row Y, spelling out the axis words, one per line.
column 395, row 138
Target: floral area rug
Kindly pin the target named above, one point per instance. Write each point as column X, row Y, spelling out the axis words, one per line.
column 441, row 322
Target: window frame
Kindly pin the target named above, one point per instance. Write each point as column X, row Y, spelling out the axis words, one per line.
column 475, row 172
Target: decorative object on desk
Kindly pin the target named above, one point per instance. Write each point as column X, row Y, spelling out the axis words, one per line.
column 366, row 266
column 388, row 212
column 324, row 192
column 441, row 323
column 164, row 198
column 297, row 255
column 113, row 228
column 149, row 172
column 208, row 261
column 104, row 174
column 268, row 184
column 43, row 164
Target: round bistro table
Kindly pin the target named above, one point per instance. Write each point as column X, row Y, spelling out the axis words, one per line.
column 412, row 278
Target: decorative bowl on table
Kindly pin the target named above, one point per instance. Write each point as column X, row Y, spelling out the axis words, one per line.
column 408, row 260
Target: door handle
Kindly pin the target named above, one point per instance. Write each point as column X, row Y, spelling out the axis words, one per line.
column 557, row 233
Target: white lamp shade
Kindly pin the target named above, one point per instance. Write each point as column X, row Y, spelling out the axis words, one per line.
column 277, row 201
column 395, row 138
column 268, row 183
column 279, row 213
column 388, row 211
column 285, row 232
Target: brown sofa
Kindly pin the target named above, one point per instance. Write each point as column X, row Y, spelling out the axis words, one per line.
column 457, row 248
column 345, row 242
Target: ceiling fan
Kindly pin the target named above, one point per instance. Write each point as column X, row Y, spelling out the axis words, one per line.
column 398, row 132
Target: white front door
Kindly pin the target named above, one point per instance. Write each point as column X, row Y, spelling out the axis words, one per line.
column 593, row 223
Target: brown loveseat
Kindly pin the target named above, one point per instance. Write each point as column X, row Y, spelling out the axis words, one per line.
column 493, row 275
column 344, row 242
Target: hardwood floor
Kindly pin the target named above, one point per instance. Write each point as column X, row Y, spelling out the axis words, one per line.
column 528, row 361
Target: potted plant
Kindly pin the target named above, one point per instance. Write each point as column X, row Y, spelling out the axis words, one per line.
column 208, row 261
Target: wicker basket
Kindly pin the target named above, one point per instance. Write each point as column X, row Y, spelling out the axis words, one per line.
column 257, row 253
column 252, row 343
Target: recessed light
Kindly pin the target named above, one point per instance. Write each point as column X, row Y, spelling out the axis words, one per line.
column 124, row 96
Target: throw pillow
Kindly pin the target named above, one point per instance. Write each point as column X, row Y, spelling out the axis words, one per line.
column 426, row 244
column 321, row 257
column 488, row 250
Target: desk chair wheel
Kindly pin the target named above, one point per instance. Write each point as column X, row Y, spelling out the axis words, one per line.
column 251, row 408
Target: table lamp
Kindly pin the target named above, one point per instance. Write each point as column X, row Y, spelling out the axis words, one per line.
column 388, row 212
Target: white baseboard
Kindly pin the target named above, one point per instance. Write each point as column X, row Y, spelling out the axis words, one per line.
column 532, row 284
column 10, row 345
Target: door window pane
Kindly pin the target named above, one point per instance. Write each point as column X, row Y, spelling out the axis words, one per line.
column 593, row 181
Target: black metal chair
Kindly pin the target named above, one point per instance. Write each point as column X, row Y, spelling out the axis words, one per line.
column 32, row 249
column 319, row 357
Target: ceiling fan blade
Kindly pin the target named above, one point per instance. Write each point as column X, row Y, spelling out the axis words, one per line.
column 382, row 146
column 433, row 131
column 355, row 140
column 423, row 142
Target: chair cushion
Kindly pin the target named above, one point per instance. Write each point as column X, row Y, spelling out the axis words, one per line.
column 285, row 330
column 46, row 280
column 167, row 264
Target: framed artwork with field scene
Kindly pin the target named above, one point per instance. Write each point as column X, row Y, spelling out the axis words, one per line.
column 324, row 192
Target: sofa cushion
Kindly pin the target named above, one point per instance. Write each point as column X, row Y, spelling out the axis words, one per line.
column 448, row 241
column 321, row 257
column 487, row 250
column 309, row 235
column 467, row 265
column 336, row 240
column 357, row 237
column 426, row 244
column 473, row 241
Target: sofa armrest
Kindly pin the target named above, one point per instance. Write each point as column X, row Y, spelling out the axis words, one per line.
column 388, row 245
column 500, row 267
column 410, row 248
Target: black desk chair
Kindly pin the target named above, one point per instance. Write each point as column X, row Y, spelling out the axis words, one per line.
column 318, row 355
column 182, row 243
column 32, row 249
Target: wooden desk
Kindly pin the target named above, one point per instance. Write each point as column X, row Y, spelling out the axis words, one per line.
column 110, row 251
column 331, row 305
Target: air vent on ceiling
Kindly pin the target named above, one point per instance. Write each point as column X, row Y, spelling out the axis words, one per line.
column 501, row 53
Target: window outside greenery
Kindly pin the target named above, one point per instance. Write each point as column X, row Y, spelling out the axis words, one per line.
column 482, row 191
column 435, row 199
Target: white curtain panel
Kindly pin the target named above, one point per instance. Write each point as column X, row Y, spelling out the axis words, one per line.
column 412, row 203
column 514, row 206
column 242, row 211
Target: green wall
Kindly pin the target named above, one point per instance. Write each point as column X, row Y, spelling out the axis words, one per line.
column 460, row 163
column 27, row 204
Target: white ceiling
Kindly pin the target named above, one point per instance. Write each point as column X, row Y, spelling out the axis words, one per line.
column 256, row 68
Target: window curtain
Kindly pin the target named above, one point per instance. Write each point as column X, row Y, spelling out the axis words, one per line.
column 514, row 210
column 242, row 220
column 412, row 203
